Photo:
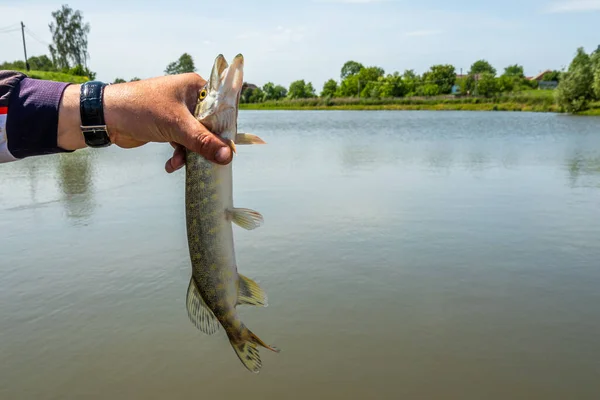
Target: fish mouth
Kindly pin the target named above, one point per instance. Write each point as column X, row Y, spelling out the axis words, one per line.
column 227, row 80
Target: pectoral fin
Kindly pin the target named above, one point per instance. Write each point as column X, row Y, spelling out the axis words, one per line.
column 246, row 218
column 198, row 312
column 248, row 138
column 250, row 293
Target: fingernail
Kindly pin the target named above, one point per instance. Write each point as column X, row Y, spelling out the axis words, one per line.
column 223, row 154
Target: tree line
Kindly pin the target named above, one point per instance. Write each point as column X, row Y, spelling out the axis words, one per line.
column 576, row 88
column 356, row 80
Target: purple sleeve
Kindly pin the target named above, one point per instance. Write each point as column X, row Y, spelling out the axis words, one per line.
column 32, row 121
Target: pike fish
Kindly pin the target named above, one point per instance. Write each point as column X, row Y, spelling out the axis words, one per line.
column 216, row 288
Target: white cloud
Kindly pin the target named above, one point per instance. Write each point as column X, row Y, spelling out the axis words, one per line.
column 424, row 32
column 574, row 6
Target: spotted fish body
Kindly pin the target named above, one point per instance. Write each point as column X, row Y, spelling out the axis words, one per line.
column 216, row 287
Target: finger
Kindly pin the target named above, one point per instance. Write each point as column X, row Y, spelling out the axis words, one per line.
column 197, row 138
column 176, row 161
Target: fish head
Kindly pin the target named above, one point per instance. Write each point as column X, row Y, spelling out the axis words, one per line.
column 218, row 101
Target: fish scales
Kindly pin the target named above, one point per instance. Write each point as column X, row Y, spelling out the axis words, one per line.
column 210, row 236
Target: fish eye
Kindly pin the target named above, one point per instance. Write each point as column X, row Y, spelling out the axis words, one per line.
column 203, row 94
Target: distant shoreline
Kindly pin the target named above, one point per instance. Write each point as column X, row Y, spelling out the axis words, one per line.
column 439, row 107
column 523, row 103
column 410, row 107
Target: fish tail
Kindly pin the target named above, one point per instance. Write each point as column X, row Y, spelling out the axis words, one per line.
column 246, row 349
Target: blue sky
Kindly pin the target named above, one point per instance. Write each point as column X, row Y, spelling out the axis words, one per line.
column 311, row 39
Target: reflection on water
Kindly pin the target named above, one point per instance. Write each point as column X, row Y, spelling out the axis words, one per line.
column 406, row 255
column 581, row 165
column 32, row 174
column 75, row 174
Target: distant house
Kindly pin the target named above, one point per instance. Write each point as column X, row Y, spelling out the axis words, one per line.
column 542, row 84
column 539, row 76
column 246, row 86
column 547, row 85
column 461, row 76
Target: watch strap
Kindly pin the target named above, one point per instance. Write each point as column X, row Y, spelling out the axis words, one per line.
column 91, row 109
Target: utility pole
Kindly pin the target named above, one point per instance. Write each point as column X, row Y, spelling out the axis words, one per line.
column 24, row 47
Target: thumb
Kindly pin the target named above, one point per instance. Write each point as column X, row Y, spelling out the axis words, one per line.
column 198, row 139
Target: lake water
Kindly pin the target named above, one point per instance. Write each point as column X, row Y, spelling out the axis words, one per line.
column 406, row 255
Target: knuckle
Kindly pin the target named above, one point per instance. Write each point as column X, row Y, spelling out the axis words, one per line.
column 204, row 143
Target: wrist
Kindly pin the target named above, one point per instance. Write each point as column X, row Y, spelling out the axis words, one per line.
column 114, row 101
column 69, row 120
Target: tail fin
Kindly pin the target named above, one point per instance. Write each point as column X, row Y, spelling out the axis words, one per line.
column 247, row 350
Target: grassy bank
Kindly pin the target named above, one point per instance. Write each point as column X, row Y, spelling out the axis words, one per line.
column 508, row 106
column 531, row 100
column 594, row 109
column 55, row 76
column 536, row 100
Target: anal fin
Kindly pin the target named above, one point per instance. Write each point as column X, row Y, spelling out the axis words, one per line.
column 246, row 218
column 198, row 312
column 250, row 293
column 248, row 138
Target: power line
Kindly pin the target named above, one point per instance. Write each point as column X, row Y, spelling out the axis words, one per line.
column 36, row 37
column 9, row 27
column 10, row 30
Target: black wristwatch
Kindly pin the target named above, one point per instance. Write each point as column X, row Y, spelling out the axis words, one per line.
column 91, row 109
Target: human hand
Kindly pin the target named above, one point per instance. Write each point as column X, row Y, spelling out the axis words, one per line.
column 151, row 110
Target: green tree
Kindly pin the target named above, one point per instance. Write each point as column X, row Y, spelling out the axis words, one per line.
column 428, row 89
column 575, row 88
column 487, row 85
column 411, row 82
column 329, row 88
column 358, row 84
column 392, row 86
column 481, row 66
column 595, row 61
column 370, row 74
column 134, row 79
column 552, row 76
column 371, row 89
column 257, row 96
column 15, row 65
column 506, row 83
column 350, row 68
column 246, row 94
column 462, row 85
column 273, row 92
column 119, row 80
column 184, row 64
column 350, row 86
column 443, row 76
column 514, row 71
column 301, row 90
column 41, row 63
column 69, row 37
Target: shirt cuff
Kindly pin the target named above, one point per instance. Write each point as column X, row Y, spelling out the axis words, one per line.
column 5, row 155
column 32, row 119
